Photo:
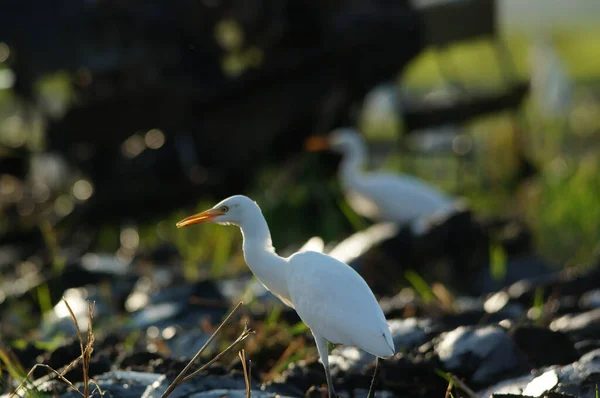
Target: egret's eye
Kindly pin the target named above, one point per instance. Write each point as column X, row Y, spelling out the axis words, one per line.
column 224, row 209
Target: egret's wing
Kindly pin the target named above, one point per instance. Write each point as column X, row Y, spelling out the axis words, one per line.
column 400, row 197
column 337, row 304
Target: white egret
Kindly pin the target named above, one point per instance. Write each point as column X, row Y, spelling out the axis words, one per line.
column 329, row 296
column 379, row 196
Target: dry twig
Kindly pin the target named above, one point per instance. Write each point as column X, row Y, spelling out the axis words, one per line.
column 449, row 389
column 182, row 378
column 242, row 355
column 461, row 384
column 85, row 357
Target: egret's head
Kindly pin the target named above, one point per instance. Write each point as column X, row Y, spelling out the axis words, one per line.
column 233, row 210
column 342, row 140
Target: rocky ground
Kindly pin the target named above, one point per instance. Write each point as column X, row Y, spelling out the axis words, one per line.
column 534, row 331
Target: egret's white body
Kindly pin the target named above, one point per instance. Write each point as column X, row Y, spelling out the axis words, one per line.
column 379, row 195
column 329, row 296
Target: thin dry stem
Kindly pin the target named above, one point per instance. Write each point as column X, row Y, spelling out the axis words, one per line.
column 449, row 389
column 243, row 336
column 470, row 393
column 58, row 374
column 242, row 355
column 85, row 358
column 180, row 377
column 294, row 345
column 87, row 348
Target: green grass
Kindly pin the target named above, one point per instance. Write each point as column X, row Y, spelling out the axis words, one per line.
column 497, row 262
column 420, row 285
column 538, row 305
column 10, row 364
column 476, row 63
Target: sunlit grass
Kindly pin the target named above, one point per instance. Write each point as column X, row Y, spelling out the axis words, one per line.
column 565, row 210
column 497, row 262
column 475, row 61
column 420, row 285
column 207, row 250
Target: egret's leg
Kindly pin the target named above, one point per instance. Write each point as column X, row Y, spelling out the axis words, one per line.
column 324, row 354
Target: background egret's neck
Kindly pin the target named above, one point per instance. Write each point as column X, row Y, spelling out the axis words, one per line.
column 352, row 164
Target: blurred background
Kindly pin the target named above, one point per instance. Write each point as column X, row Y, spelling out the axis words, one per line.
column 119, row 118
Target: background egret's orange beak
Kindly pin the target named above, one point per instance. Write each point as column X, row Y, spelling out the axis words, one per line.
column 205, row 216
column 316, row 143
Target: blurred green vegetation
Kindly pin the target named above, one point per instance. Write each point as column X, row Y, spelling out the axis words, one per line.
column 299, row 200
column 561, row 204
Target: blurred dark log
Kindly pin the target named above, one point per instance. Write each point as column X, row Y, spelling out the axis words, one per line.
column 420, row 116
column 142, row 65
column 232, row 85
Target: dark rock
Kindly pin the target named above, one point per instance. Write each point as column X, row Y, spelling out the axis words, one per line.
column 452, row 247
column 119, row 384
column 569, row 282
column 478, row 316
column 407, row 334
column 579, row 379
column 303, row 375
column 89, row 271
column 28, row 354
column 59, row 321
column 585, row 346
column 591, row 299
column 66, row 354
column 481, row 354
column 524, row 267
column 544, row 347
column 412, row 377
column 18, row 245
column 580, row 326
column 183, row 305
column 404, row 304
column 545, row 395
column 130, row 384
column 141, row 360
column 185, row 344
column 208, row 386
column 315, row 392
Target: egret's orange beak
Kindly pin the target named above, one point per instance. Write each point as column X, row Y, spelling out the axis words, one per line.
column 316, row 143
column 205, row 216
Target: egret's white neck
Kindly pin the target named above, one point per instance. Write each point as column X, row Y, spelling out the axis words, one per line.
column 260, row 255
column 353, row 162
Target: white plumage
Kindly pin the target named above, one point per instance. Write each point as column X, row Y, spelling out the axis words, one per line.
column 379, row 196
column 337, row 304
column 329, row 296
